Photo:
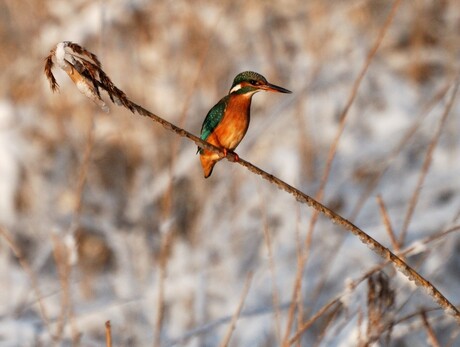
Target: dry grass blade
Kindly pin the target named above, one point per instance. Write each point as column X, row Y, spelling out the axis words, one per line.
column 235, row 317
column 427, row 163
column 62, row 256
column 405, row 138
column 433, row 341
column 271, row 262
column 82, row 176
column 33, row 279
column 343, row 120
column 352, row 97
column 167, row 241
column 373, row 244
column 294, row 298
column 335, row 304
column 388, row 326
column 387, row 223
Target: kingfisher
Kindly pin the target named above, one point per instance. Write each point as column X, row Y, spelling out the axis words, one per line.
column 227, row 122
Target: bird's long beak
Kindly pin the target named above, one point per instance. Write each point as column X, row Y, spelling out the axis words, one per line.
column 274, row 88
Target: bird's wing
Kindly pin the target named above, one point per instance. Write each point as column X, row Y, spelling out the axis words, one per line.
column 213, row 118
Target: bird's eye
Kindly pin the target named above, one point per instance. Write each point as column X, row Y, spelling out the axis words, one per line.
column 254, row 82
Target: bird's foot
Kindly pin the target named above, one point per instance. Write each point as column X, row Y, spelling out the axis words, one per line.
column 234, row 156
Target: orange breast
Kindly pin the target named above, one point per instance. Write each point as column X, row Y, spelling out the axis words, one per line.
column 235, row 123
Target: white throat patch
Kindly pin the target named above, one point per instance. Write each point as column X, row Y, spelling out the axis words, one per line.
column 235, row 88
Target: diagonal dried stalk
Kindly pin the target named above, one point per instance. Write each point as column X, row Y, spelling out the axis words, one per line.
column 92, row 75
column 333, row 150
column 237, row 313
column 272, row 266
column 168, row 237
column 432, row 340
column 405, row 138
column 387, row 223
column 30, row 273
column 166, row 242
column 336, row 300
column 427, row 163
column 333, row 305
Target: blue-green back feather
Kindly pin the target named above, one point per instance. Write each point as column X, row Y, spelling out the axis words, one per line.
column 213, row 118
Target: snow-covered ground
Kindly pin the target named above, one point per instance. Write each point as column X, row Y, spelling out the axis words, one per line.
column 114, row 221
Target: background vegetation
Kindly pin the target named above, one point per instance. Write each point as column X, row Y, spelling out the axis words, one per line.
column 107, row 216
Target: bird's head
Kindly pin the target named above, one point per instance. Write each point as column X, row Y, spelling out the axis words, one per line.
column 249, row 82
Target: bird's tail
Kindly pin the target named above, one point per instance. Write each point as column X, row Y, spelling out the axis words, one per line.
column 207, row 164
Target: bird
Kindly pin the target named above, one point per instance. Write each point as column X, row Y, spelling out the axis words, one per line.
column 227, row 122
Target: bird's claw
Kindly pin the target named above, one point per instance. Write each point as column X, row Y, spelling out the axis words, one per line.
column 235, row 156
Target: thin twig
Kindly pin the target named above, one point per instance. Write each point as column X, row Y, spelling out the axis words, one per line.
column 333, row 303
column 82, row 175
column 108, row 334
column 236, row 315
column 32, row 278
column 418, row 121
column 300, row 258
column 167, row 240
column 61, row 259
column 343, row 120
column 427, row 163
column 429, row 331
column 305, row 325
column 387, row 223
column 271, row 263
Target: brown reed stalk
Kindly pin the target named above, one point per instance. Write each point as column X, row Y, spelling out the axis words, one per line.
column 296, row 290
column 168, row 197
column 343, row 119
column 271, row 263
column 167, row 201
column 404, row 140
column 326, row 324
column 370, row 272
column 108, row 334
column 167, row 240
column 432, row 340
column 306, row 325
column 387, row 223
column 427, row 163
column 300, row 255
column 236, row 315
column 332, row 306
column 373, row 182
column 60, row 258
column 61, row 250
column 335, row 303
column 82, row 175
column 88, row 80
column 30, row 273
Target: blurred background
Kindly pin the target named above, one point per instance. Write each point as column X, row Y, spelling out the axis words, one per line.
column 108, row 217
